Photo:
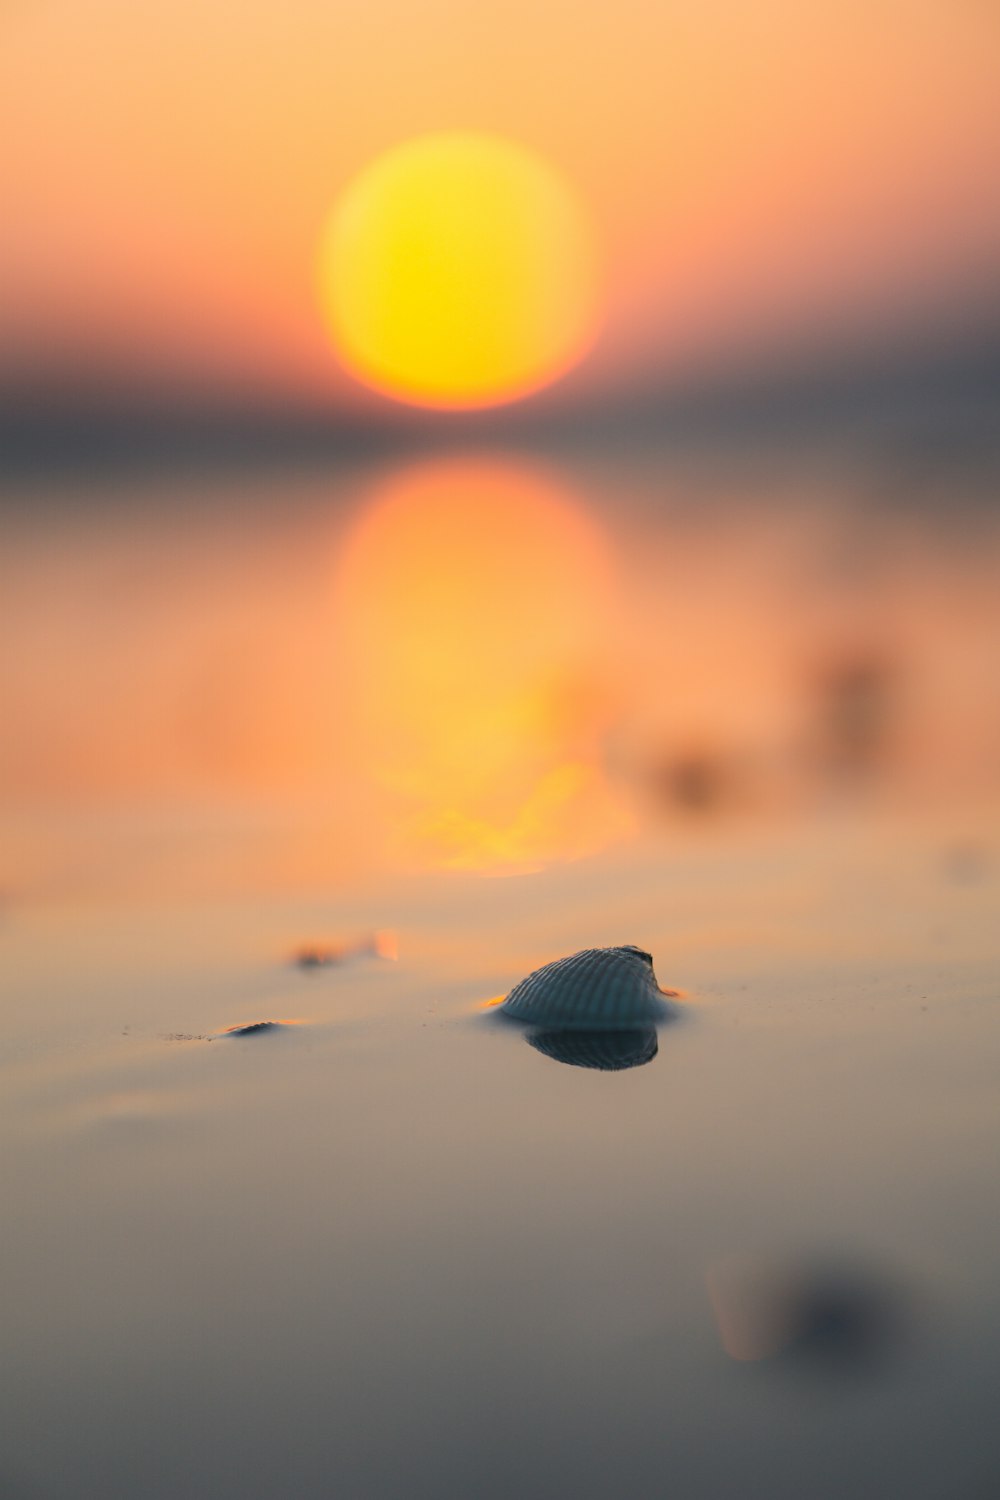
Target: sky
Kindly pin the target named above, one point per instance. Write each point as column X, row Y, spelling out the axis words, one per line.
column 762, row 175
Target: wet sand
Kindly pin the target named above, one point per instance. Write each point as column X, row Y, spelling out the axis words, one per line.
column 394, row 1250
column 397, row 1249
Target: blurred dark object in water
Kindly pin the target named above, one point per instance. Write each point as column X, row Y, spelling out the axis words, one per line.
column 314, row 957
column 854, row 709
column 834, row 1317
column 700, row 782
column 966, row 863
column 382, row 943
column 610, row 1051
column 844, row 1319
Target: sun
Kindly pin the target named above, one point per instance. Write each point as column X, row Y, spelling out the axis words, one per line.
column 459, row 270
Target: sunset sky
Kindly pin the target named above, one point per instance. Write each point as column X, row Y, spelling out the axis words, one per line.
column 761, row 175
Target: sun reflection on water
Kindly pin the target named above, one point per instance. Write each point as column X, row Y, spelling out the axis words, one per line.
column 476, row 611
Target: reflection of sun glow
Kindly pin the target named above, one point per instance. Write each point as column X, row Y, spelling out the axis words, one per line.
column 458, row 270
column 475, row 604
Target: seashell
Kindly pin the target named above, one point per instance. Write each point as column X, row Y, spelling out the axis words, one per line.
column 255, row 1028
column 599, row 989
column 611, row 1051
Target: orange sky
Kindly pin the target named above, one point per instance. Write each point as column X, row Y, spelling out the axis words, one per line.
column 757, row 169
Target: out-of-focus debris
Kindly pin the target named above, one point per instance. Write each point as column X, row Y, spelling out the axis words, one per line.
column 966, row 863
column 706, row 781
column 829, row 1314
column 383, row 943
column 854, row 713
column 314, row 957
column 697, row 781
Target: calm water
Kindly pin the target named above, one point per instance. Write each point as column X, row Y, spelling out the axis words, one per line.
column 741, row 714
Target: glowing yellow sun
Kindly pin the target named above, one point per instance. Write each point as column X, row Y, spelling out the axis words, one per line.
column 459, row 270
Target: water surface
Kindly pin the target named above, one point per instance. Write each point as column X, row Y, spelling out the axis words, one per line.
column 390, row 1248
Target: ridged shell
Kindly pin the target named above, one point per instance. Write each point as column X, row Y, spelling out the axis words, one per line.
column 611, row 1051
column 600, row 988
column 254, row 1028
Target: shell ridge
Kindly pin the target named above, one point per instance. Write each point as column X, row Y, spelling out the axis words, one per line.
column 597, row 987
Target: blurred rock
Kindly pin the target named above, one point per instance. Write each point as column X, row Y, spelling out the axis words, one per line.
column 853, row 707
column 966, row 863
column 383, row 943
column 699, row 782
column 315, row 957
column 833, row 1316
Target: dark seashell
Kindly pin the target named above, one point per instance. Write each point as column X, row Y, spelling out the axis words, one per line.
column 599, row 989
column 254, row 1028
column 611, row 1051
